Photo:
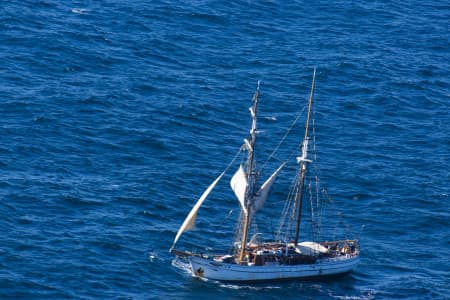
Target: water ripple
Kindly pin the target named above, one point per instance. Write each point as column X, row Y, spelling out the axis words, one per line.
column 116, row 116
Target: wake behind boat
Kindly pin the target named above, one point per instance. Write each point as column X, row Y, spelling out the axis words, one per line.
column 287, row 256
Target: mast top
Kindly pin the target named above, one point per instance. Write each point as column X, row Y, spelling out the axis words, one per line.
column 310, row 104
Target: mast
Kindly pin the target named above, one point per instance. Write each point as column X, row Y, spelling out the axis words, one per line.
column 251, row 175
column 303, row 162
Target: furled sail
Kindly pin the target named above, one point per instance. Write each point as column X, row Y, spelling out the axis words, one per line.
column 304, row 153
column 239, row 184
column 189, row 222
column 263, row 191
column 310, row 248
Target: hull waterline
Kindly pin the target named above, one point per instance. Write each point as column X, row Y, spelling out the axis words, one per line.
column 209, row 269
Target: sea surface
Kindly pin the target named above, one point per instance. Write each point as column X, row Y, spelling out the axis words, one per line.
column 116, row 115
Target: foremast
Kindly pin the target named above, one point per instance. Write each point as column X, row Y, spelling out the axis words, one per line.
column 251, row 174
column 303, row 162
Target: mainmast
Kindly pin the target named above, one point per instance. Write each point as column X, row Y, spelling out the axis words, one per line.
column 302, row 160
column 251, row 175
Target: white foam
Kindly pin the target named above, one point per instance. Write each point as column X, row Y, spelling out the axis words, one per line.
column 80, row 11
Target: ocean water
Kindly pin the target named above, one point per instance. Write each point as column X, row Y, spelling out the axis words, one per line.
column 116, row 115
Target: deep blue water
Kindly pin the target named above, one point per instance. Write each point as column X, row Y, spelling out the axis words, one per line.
column 116, row 115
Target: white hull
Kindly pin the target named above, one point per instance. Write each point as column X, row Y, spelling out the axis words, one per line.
column 209, row 269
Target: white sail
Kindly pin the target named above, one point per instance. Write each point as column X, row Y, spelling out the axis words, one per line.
column 263, row 191
column 239, row 186
column 189, row 222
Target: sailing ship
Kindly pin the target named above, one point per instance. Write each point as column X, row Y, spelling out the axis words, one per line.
column 289, row 256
